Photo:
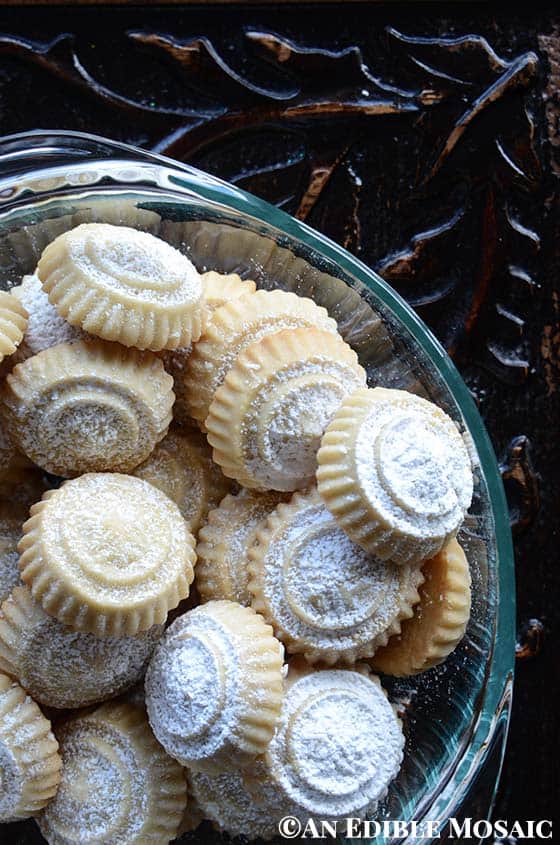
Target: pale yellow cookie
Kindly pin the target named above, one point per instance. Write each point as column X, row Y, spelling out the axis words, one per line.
column 224, row 542
column 88, row 407
column 395, row 473
column 323, row 595
column 45, row 327
column 63, row 668
column 12, row 517
column 337, row 747
column 233, row 327
column 181, row 466
column 439, row 621
column 214, row 687
column 107, row 554
column 267, row 419
column 13, row 320
column 125, row 285
column 220, row 288
column 118, row 786
column 29, row 759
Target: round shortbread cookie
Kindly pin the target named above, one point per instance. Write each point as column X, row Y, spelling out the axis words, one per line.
column 121, row 284
column 107, row 554
column 324, row 596
column 214, row 687
column 267, row 418
column 88, row 407
column 337, row 747
column 396, row 474
column 63, row 668
column 29, row 759
column 440, row 617
column 233, row 327
column 118, row 786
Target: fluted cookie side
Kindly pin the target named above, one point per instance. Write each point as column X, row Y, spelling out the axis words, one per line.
column 29, row 760
column 395, row 473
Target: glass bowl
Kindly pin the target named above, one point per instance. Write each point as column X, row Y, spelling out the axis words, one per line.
column 455, row 716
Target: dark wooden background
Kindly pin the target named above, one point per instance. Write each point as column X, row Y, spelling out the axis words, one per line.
column 426, row 139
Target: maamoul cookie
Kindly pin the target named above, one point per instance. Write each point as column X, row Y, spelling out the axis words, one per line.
column 324, row 596
column 440, row 618
column 267, row 418
column 223, row 545
column 13, row 320
column 88, row 407
column 63, row 668
column 121, row 284
column 235, row 326
column 45, row 327
column 181, row 466
column 214, row 687
column 12, row 518
column 107, row 554
column 29, row 759
column 337, row 747
column 118, row 786
column 224, row 799
column 395, row 472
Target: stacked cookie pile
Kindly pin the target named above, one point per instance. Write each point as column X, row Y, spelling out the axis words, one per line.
column 201, row 493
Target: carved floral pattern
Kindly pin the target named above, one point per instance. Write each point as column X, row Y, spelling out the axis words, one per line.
column 311, row 129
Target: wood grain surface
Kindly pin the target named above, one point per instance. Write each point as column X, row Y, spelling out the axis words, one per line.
column 425, row 139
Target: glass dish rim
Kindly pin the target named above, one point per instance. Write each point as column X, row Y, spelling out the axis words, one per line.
column 495, row 704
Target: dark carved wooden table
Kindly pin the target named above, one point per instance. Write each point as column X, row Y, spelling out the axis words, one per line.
column 426, row 139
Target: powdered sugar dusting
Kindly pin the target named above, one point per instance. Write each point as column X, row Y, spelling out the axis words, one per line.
column 192, row 688
column 45, row 326
column 339, row 743
column 134, row 263
column 11, row 783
